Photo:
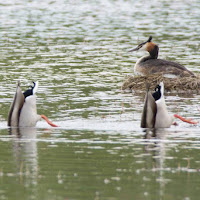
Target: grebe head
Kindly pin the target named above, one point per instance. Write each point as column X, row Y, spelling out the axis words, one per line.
column 149, row 46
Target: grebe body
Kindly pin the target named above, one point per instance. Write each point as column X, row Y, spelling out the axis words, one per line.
column 23, row 110
column 28, row 115
column 155, row 113
column 148, row 65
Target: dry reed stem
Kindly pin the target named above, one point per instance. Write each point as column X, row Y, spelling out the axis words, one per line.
column 171, row 84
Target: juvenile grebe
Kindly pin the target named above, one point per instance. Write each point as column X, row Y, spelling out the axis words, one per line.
column 23, row 110
column 155, row 114
column 150, row 64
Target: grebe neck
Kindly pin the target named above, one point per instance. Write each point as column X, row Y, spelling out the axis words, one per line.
column 153, row 54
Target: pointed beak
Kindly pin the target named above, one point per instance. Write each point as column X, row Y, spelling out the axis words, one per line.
column 141, row 45
column 135, row 49
column 138, row 47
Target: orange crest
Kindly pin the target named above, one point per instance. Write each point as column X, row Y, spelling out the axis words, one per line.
column 150, row 46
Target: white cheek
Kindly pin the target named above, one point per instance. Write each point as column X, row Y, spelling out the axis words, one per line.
column 144, row 47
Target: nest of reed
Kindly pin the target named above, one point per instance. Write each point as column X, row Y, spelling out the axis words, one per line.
column 179, row 84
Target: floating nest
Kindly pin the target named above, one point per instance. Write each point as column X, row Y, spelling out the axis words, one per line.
column 179, row 84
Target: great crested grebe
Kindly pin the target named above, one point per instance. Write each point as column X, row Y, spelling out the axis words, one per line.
column 23, row 110
column 155, row 114
column 150, row 64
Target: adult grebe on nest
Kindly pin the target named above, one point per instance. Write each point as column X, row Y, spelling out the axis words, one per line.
column 150, row 64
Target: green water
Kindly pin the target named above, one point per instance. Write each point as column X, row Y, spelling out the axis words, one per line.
column 78, row 51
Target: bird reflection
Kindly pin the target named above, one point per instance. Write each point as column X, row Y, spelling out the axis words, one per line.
column 150, row 133
column 25, row 154
column 158, row 150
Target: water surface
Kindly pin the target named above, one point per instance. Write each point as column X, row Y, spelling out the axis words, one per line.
column 78, row 51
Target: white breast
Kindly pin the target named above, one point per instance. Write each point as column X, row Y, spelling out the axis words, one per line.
column 137, row 67
column 163, row 119
column 28, row 115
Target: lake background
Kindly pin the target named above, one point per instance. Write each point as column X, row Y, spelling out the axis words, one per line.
column 78, row 51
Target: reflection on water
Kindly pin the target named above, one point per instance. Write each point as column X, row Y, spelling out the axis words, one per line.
column 159, row 155
column 102, row 164
column 78, row 51
column 25, row 155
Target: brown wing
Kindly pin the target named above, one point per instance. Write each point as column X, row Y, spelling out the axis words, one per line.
column 149, row 112
column 165, row 66
column 16, row 106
